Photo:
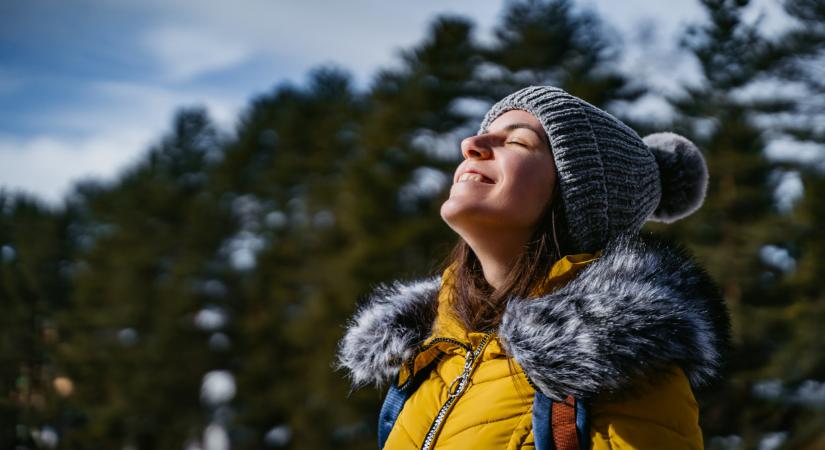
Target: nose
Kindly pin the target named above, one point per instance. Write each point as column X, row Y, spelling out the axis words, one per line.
column 476, row 147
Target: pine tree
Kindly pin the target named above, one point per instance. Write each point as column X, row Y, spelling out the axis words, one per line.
column 796, row 59
column 388, row 199
column 35, row 249
column 150, row 250
column 557, row 43
column 286, row 165
column 739, row 219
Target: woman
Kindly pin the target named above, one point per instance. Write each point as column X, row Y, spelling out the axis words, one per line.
column 555, row 325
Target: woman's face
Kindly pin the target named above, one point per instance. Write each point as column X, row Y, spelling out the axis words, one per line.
column 506, row 179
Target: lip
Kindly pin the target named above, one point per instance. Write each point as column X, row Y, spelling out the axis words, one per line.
column 487, row 178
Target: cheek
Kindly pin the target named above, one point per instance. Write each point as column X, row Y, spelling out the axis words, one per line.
column 533, row 185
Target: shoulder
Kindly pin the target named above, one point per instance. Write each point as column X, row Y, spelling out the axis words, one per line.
column 387, row 329
column 644, row 306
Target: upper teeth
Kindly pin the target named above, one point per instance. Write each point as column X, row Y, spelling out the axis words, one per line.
column 468, row 176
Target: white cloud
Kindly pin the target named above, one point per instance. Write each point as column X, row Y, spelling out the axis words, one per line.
column 47, row 165
column 107, row 138
column 151, row 106
column 292, row 37
column 187, row 52
column 118, row 120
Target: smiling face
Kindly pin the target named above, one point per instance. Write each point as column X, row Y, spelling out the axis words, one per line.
column 506, row 180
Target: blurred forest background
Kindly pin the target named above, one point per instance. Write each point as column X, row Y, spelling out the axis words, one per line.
column 196, row 301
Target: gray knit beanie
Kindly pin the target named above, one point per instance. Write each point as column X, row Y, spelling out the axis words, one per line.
column 611, row 180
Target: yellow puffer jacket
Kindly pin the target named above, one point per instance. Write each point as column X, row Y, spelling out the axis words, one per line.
column 580, row 322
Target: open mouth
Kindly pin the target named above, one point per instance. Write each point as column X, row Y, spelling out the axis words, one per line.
column 476, row 177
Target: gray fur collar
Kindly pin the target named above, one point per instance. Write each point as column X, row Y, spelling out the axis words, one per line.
column 637, row 311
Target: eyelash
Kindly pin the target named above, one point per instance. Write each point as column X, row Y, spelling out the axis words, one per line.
column 517, row 143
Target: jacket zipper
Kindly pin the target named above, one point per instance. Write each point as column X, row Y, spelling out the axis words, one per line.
column 456, row 388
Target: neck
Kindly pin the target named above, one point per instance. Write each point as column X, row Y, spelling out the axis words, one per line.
column 497, row 256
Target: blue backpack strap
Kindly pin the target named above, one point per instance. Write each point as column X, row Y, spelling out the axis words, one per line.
column 583, row 424
column 545, row 438
column 394, row 402
column 542, row 428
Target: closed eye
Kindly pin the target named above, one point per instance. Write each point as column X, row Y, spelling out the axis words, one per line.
column 518, row 143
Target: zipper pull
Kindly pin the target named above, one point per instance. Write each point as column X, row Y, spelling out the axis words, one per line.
column 460, row 382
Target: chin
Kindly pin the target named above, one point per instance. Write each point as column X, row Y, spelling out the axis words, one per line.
column 455, row 208
column 448, row 212
column 459, row 214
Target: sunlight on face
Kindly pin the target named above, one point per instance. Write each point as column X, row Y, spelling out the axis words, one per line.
column 506, row 179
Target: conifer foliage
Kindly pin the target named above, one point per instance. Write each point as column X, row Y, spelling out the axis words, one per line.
column 203, row 291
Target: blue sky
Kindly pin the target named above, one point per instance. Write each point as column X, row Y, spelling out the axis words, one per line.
column 86, row 86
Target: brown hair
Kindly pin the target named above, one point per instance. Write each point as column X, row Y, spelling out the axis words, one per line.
column 476, row 304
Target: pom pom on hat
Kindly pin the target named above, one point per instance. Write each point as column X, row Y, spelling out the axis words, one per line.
column 683, row 174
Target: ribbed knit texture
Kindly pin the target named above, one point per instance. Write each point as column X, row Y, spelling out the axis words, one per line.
column 608, row 177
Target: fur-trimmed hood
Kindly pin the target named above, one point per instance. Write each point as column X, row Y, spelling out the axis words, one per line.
column 641, row 308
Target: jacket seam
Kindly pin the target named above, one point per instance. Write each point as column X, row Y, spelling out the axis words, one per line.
column 528, row 414
column 490, row 380
column 486, row 422
column 611, row 433
column 638, row 419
